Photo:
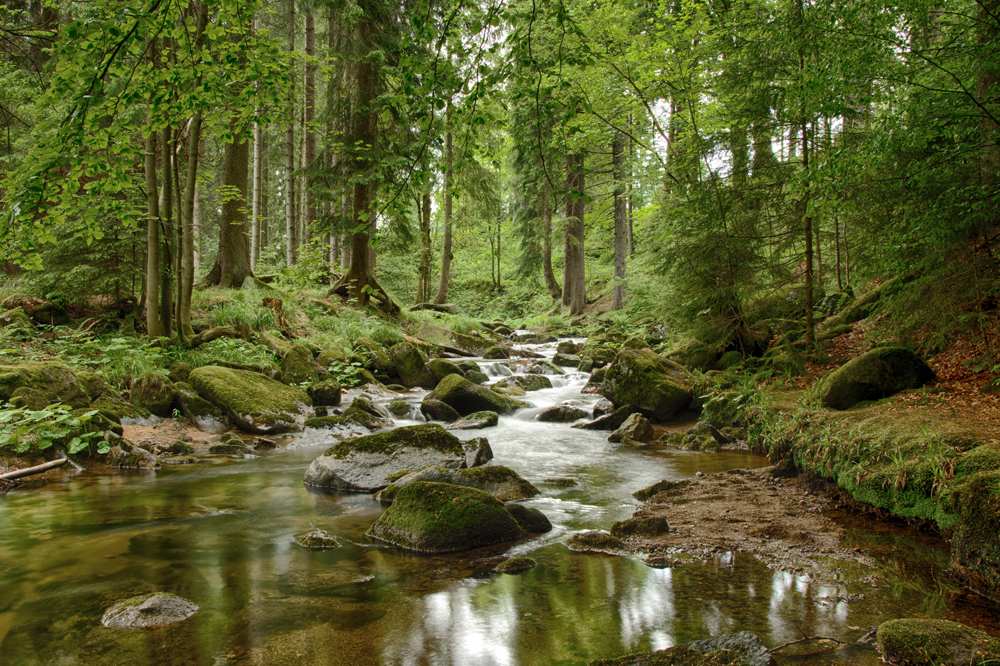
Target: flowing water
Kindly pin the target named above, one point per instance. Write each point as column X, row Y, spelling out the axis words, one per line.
column 219, row 533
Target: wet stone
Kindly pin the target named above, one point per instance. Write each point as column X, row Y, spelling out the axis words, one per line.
column 515, row 565
column 148, row 610
column 596, row 542
column 317, row 540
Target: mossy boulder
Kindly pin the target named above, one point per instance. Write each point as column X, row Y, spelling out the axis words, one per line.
column 154, row 392
column 362, row 464
column 380, row 360
column 655, row 386
column 919, row 642
column 54, row 379
column 467, row 398
column 566, row 360
column 122, row 454
column 477, row 377
column 410, row 366
column 568, row 347
column 122, row 411
column 502, row 482
column 442, row 337
column 92, row 383
column 438, row 411
column 326, row 393
column 541, row 366
column 527, row 382
column 475, row 421
column 399, row 408
column 596, row 542
column 18, row 323
column 595, row 382
column 441, row 368
column 30, row 398
column 832, row 332
column 636, row 427
column 611, row 421
column 331, row 355
column 529, row 518
column 203, row 414
column 873, row 376
column 362, row 413
column 496, row 353
column 731, row 359
column 694, row 355
column 510, row 391
column 440, row 518
column 252, row 401
column 298, row 367
column 515, row 565
column 179, row 371
column 644, row 527
column 317, row 540
column 561, row 414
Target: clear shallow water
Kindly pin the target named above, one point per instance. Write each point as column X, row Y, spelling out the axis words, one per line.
column 220, row 534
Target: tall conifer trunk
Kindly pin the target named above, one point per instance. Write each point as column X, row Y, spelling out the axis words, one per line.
column 574, row 296
column 446, row 256
column 621, row 222
column 290, row 222
column 232, row 265
column 551, row 285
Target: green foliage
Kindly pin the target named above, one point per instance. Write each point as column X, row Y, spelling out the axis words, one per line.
column 23, row 430
column 244, row 313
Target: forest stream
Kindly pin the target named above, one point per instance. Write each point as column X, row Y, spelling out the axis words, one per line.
column 219, row 533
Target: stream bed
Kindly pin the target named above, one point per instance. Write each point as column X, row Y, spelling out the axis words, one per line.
column 219, row 533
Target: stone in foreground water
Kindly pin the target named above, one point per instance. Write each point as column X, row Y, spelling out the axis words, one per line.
column 148, row 610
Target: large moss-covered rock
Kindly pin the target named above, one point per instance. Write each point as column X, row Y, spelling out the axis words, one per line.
column 467, row 398
column 30, row 398
column 436, row 335
column 18, row 323
column 875, row 375
column 361, row 413
column 440, row 518
column 919, row 642
column 502, row 482
column 155, row 393
column 326, row 393
column 410, row 366
column 203, row 414
column 54, row 379
column 441, row 368
column 179, row 371
column 655, row 386
column 120, row 411
column 694, row 355
column 475, row 421
column 252, row 401
column 92, row 383
column 438, row 411
column 527, row 382
column 298, row 367
column 494, row 353
column 331, row 355
column 363, row 464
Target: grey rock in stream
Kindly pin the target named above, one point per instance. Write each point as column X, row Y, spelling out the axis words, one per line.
column 561, row 414
column 364, row 464
column 148, row 610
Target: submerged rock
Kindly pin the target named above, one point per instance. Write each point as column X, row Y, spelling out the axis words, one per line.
column 252, row 401
column 919, row 642
column 873, row 376
column 742, row 649
column 441, row 518
column 467, row 398
column 363, row 464
column 655, row 386
column 148, row 610
column 317, row 540
column 501, row 482
column 515, row 565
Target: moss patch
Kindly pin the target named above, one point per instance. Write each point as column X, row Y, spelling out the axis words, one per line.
column 912, row 642
column 255, row 402
column 873, row 376
column 423, row 436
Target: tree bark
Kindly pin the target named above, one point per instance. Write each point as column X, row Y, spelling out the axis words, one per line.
column 574, row 295
column 258, row 155
column 424, row 271
column 166, row 236
column 152, row 242
column 551, row 285
column 184, row 329
column 621, row 222
column 446, row 256
column 309, row 152
column 232, row 265
column 290, row 225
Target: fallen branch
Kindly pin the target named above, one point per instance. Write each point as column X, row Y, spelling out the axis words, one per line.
column 807, row 639
column 31, row 471
column 214, row 334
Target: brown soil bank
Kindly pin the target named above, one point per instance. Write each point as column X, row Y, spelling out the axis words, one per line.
column 909, row 456
column 780, row 521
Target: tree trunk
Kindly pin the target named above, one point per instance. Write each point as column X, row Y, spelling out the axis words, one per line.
column 446, row 256
column 550, row 279
column 574, row 270
column 621, row 222
column 424, row 272
column 630, row 197
column 309, row 152
column 232, row 265
column 258, row 163
column 152, row 242
column 806, row 218
column 290, row 226
column 166, row 236
column 987, row 84
column 189, row 215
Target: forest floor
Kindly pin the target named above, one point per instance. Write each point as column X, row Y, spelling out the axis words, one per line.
column 786, row 525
